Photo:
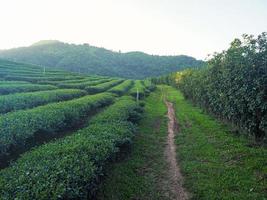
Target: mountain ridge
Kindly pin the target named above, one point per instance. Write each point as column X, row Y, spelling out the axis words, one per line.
column 89, row 59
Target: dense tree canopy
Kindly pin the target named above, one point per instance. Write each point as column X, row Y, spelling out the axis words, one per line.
column 233, row 85
column 100, row 61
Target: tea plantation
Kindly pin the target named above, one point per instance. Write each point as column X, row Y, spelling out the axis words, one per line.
column 59, row 129
column 71, row 136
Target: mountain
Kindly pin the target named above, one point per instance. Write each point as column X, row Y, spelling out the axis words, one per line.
column 93, row 60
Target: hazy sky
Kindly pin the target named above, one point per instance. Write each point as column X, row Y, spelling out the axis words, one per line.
column 164, row 27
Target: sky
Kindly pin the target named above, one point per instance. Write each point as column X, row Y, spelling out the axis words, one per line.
column 160, row 27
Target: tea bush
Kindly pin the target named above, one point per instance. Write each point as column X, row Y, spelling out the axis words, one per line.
column 70, row 168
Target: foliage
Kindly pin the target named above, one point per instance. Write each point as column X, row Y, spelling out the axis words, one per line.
column 20, row 101
column 144, row 88
column 142, row 174
column 169, row 79
column 57, row 82
column 234, row 85
column 25, row 87
column 3, row 82
column 36, row 79
column 83, row 84
column 18, row 127
column 92, row 60
column 102, row 87
column 70, row 168
column 149, row 85
column 121, row 88
column 25, row 72
column 216, row 164
column 138, row 86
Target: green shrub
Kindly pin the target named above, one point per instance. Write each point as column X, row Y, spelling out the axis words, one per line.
column 2, row 82
column 102, row 87
column 234, row 85
column 70, row 168
column 18, row 127
column 138, row 85
column 20, row 101
column 35, row 79
column 149, row 86
column 25, row 87
column 83, row 84
column 85, row 79
column 121, row 88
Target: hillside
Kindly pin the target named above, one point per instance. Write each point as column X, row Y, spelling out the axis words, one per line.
column 65, row 135
column 93, row 60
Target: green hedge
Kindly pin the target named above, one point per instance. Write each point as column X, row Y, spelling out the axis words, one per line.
column 234, row 85
column 17, row 128
column 20, row 101
column 35, row 79
column 149, row 86
column 70, row 168
column 138, row 85
column 121, row 88
column 83, row 84
column 102, row 87
column 27, row 73
column 85, row 79
column 3, row 82
column 25, row 87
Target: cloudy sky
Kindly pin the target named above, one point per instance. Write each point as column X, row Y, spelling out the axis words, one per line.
column 164, row 27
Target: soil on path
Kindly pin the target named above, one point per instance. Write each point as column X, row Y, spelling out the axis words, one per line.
column 176, row 178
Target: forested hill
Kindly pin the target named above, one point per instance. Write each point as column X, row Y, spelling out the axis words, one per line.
column 93, row 60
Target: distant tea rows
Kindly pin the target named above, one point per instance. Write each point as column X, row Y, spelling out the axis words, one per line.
column 82, row 120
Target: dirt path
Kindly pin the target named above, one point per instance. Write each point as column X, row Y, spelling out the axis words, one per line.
column 176, row 178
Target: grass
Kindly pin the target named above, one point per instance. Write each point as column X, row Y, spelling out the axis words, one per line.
column 142, row 175
column 216, row 164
